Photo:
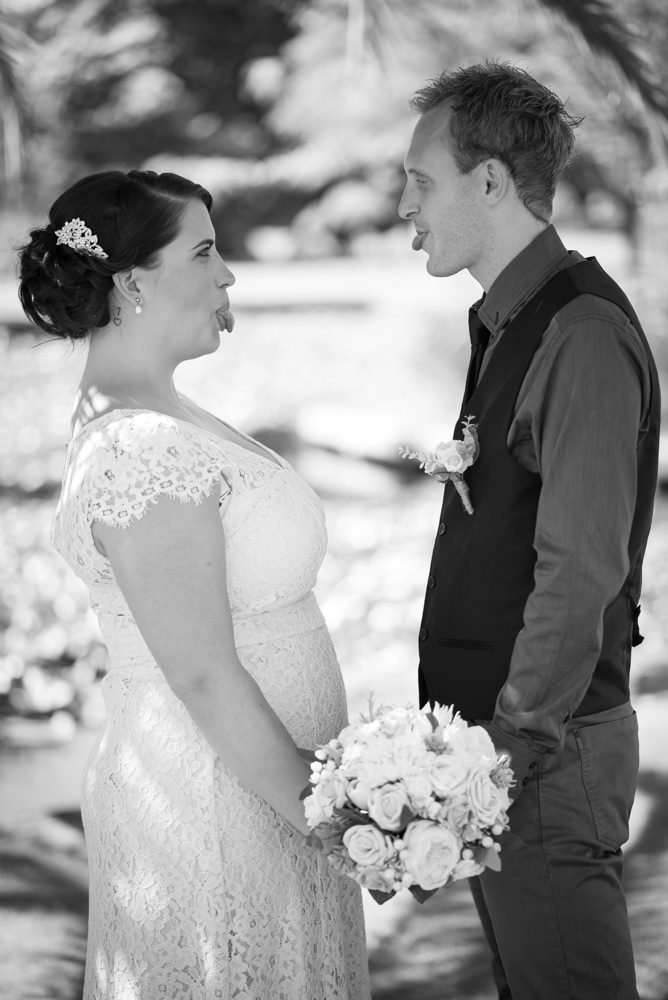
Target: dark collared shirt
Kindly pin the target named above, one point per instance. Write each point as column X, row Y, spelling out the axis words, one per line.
column 579, row 414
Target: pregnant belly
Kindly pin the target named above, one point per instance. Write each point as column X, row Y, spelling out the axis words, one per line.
column 301, row 679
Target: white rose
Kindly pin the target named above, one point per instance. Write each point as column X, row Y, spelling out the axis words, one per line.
column 454, row 456
column 486, row 802
column 367, row 845
column 477, row 741
column 387, row 804
column 358, row 793
column 448, row 774
column 393, row 721
column 419, row 788
column 330, row 792
column 315, row 814
column 359, row 733
column 456, row 813
column 347, row 736
column 432, row 853
column 372, row 770
column 410, row 760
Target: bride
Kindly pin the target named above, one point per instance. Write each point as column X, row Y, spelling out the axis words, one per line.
column 200, row 548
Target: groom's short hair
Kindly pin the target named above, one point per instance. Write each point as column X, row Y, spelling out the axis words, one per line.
column 500, row 111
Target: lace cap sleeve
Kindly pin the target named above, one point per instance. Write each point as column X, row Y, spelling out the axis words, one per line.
column 134, row 459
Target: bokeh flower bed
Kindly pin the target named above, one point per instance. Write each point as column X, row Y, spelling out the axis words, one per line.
column 50, row 649
column 353, row 380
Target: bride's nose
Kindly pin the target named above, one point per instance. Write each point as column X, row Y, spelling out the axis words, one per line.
column 225, row 277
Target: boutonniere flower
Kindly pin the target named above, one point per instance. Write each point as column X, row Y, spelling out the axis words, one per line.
column 450, row 460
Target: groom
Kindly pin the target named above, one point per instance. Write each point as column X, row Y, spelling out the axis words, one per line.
column 531, row 605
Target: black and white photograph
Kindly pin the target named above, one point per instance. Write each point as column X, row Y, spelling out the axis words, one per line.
column 333, row 500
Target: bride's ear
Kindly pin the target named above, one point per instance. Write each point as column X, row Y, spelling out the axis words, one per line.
column 126, row 286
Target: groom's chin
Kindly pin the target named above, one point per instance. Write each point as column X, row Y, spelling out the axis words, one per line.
column 439, row 269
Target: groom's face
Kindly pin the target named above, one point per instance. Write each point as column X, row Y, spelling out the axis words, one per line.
column 438, row 199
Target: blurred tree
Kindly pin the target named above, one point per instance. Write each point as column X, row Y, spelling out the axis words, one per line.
column 13, row 112
column 349, row 70
column 297, row 109
column 612, row 33
column 113, row 81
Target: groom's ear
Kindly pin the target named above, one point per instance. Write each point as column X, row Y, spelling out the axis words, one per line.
column 495, row 180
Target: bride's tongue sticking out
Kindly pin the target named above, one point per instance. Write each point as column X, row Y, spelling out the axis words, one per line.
column 418, row 240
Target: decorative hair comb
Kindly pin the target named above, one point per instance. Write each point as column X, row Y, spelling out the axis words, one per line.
column 76, row 235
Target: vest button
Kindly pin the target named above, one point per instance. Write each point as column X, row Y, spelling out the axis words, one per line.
column 423, row 634
column 431, row 583
column 441, row 528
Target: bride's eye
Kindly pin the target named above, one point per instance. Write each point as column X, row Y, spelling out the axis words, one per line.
column 205, row 252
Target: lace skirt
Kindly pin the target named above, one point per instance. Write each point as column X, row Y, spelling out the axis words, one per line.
column 199, row 889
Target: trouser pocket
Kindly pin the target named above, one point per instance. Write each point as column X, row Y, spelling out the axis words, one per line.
column 609, row 763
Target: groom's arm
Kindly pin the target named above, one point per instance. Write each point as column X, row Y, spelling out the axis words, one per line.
column 578, row 428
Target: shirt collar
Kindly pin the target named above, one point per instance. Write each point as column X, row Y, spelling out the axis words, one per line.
column 521, row 278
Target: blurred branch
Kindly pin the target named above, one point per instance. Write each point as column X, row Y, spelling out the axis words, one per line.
column 611, row 35
column 382, row 24
column 13, row 105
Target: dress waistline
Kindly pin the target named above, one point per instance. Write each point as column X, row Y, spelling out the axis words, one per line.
column 278, row 623
column 128, row 652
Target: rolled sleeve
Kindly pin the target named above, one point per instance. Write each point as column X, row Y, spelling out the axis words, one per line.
column 577, row 425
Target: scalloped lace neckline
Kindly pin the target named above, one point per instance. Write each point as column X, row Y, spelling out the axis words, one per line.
column 268, row 456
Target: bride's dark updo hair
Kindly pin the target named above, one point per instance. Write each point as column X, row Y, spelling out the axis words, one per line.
column 134, row 215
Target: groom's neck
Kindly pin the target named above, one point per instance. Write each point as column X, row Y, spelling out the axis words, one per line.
column 507, row 238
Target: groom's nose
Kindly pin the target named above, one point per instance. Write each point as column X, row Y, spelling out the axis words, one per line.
column 407, row 205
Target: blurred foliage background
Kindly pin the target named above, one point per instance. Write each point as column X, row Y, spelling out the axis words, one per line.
column 294, row 113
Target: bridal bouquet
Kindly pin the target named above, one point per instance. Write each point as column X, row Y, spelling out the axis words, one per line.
column 409, row 798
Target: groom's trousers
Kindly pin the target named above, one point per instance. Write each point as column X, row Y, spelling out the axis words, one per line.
column 555, row 915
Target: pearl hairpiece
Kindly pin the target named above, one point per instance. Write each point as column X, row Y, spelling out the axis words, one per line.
column 76, row 235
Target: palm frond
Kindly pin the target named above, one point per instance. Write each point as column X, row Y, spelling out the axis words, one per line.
column 612, row 35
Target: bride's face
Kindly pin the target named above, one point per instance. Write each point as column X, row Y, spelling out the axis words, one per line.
column 185, row 297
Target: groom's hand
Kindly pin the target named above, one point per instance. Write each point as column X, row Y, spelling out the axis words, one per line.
column 523, row 758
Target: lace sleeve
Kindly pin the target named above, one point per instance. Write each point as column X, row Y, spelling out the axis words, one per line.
column 135, row 459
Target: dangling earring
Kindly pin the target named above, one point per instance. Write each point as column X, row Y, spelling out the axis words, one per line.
column 138, row 306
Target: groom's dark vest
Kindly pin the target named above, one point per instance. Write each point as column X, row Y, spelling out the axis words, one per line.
column 482, row 569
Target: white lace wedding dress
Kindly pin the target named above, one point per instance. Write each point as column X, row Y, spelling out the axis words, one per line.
column 199, row 889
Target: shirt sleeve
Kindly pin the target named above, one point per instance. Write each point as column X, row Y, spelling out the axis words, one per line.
column 577, row 424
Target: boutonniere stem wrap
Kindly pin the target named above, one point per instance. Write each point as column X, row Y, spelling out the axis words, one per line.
column 450, row 460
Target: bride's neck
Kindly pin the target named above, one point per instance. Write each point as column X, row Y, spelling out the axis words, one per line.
column 113, row 376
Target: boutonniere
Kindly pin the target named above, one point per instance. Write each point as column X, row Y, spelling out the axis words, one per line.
column 450, row 460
